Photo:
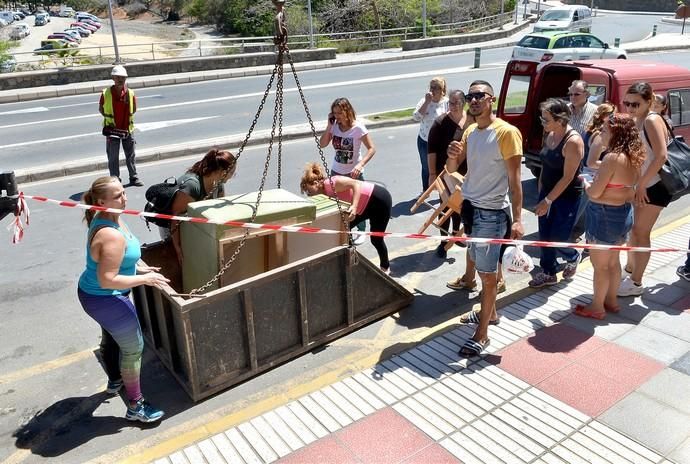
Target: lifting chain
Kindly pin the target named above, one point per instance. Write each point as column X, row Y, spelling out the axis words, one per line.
column 278, row 77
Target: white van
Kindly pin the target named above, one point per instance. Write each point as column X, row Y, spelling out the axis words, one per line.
column 19, row 31
column 7, row 16
column 577, row 18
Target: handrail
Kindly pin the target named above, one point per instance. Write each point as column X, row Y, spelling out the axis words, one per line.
column 353, row 40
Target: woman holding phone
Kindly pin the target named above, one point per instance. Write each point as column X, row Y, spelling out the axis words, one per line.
column 347, row 135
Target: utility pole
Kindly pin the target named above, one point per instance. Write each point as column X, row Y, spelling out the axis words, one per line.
column 503, row 6
column 424, row 19
column 112, row 29
column 311, row 25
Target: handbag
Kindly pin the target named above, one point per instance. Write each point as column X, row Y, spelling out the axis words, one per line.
column 675, row 173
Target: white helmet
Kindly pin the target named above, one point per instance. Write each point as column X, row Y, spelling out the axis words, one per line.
column 119, row 71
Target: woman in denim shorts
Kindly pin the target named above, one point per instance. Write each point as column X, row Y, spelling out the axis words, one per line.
column 609, row 214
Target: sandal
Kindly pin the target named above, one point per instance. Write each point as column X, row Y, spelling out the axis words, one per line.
column 579, row 310
column 461, row 284
column 612, row 309
column 472, row 317
column 473, row 348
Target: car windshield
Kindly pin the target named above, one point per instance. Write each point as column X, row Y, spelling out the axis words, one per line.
column 534, row 41
column 555, row 15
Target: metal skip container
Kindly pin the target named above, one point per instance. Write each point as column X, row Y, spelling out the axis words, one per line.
column 303, row 292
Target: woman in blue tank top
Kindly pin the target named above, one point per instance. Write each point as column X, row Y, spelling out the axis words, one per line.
column 112, row 253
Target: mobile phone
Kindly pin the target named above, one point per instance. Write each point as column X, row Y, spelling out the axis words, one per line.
column 331, row 118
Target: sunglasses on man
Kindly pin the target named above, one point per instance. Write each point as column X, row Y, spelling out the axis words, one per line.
column 479, row 96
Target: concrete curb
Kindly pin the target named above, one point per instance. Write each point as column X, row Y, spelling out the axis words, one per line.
column 100, row 163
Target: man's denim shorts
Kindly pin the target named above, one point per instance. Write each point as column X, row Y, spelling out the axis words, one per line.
column 487, row 223
column 608, row 225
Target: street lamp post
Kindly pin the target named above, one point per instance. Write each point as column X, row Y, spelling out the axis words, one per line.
column 517, row 4
column 424, row 18
column 112, row 29
column 311, row 25
column 503, row 6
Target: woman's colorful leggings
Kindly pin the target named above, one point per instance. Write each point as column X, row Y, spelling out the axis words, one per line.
column 117, row 316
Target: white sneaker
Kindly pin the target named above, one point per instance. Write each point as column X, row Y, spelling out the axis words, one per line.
column 360, row 239
column 629, row 288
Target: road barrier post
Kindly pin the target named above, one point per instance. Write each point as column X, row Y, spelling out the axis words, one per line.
column 617, row 42
column 654, row 31
column 477, row 56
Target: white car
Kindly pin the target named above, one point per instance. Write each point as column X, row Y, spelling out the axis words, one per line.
column 564, row 46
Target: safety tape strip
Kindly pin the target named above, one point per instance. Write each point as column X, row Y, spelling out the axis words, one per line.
column 314, row 230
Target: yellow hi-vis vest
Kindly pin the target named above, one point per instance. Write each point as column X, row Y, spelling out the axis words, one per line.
column 109, row 116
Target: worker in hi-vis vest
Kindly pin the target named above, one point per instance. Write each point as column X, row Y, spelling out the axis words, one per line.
column 118, row 105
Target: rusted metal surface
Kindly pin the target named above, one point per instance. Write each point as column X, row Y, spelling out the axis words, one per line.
column 237, row 332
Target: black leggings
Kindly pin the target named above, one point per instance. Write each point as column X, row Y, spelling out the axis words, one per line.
column 378, row 212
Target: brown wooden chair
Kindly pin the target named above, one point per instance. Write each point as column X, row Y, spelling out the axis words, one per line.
column 448, row 185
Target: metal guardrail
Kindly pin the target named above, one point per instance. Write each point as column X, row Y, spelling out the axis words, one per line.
column 344, row 41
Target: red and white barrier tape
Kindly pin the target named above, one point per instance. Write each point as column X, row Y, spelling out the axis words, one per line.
column 314, row 230
column 16, row 226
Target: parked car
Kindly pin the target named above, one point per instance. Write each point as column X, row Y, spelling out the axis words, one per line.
column 90, row 22
column 7, row 16
column 64, row 36
column 80, row 30
column 88, row 27
column 8, row 64
column 74, row 33
column 41, row 19
column 3, row 23
column 83, row 14
column 66, row 11
column 576, row 18
column 19, row 31
column 26, row 12
column 564, row 46
column 56, row 47
column 526, row 84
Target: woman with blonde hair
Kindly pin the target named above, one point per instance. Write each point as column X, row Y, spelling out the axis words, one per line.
column 112, row 254
column 367, row 201
column 609, row 216
column 651, row 197
column 347, row 135
column 432, row 105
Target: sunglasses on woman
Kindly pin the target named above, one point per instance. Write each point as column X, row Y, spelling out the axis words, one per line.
column 633, row 105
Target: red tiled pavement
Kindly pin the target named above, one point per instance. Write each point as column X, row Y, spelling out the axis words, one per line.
column 586, row 390
column 384, row 437
column 683, row 304
column 434, row 454
column 627, row 368
column 578, row 368
column 326, row 450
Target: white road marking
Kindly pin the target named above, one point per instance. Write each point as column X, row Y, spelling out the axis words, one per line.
column 36, row 109
column 147, row 126
column 458, row 70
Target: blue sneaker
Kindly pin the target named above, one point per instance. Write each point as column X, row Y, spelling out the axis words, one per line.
column 114, row 386
column 143, row 412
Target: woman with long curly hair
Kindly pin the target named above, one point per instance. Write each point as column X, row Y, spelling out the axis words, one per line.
column 609, row 215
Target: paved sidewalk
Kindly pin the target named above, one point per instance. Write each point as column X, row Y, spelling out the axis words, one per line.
column 552, row 388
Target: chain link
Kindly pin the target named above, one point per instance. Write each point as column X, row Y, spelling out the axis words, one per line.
column 343, row 218
column 277, row 76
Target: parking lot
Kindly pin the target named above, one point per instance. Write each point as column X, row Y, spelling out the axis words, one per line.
column 23, row 53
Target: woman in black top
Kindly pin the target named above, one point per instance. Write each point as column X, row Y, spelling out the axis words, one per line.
column 205, row 179
column 560, row 190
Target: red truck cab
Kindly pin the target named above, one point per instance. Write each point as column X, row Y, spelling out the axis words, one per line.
column 527, row 84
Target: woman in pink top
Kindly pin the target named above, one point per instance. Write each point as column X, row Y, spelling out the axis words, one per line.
column 367, row 201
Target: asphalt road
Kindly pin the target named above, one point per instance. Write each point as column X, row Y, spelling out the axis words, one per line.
column 68, row 128
column 50, row 405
